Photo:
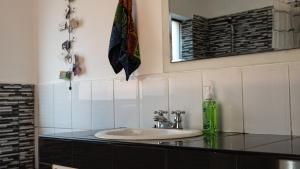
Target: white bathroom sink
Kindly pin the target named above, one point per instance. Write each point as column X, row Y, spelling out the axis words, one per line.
column 146, row 134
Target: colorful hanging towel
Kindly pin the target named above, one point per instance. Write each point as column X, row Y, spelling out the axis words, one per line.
column 124, row 47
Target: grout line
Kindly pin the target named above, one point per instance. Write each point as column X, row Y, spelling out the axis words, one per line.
column 138, row 100
column 53, row 106
column 114, row 102
column 202, row 100
column 71, row 103
column 290, row 100
column 202, row 83
column 91, row 105
column 140, row 104
column 168, row 93
column 243, row 103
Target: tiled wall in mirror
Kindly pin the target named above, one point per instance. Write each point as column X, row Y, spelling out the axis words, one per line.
column 203, row 29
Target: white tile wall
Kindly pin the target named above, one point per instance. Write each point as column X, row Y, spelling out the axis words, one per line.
column 46, row 131
column 62, row 106
column 185, row 93
column 102, row 104
column 266, row 99
column 46, row 115
column 82, row 105
column 60, row 130
column 256, row 99
column 295, row 97
column 126, row 103
column 153, row 97
column 79, row 130
column 228, row 92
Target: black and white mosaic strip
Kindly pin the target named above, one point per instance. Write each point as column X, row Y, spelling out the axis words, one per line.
column 220, row 36
column 187, row 37
column 240, row 33
column 16, row 126
column 200, row 29
column 253, row 31
column 194, row 37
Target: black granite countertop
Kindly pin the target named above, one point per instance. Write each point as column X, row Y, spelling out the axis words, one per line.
column 249, row 143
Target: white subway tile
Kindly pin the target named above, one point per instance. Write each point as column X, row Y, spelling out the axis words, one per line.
column 295, row 97
column 153, row 97
column 266, row 99
column 126, row 103
column 82, row 105
column 228, row 92
column 62, row 106
column 46, row 131
column 61, row 130
column 46, row 113
column 79, row 130
column 185, row 93
column 102, row 104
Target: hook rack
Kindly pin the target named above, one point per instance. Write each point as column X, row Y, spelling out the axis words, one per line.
column 71, row 59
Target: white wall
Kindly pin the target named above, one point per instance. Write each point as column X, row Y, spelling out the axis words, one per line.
column 92, row 39
column 17, row 45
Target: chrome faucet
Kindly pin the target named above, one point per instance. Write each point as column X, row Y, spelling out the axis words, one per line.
column 163, row 122
column 177, row 119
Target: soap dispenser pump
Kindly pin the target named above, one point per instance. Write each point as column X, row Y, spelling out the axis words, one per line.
column 209, row 106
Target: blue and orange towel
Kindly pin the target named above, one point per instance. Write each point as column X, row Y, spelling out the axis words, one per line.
column 124, row 47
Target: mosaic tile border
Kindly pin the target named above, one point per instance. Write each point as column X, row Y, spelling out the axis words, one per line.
column 240, row 33
column 16, row 126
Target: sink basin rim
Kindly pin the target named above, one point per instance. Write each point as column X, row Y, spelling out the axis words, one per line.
column 146, row 134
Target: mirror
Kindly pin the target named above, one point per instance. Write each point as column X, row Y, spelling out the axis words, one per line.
column 203, row 29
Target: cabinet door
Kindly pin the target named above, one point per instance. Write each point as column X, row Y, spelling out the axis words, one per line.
column 223, row 161
column 256, row 162
column 52, row 151
column 45, row 166
column 188, row 159
column 92, row 155
column 133, row 157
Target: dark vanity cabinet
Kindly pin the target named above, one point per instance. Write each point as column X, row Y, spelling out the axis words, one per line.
column 257, row 162
column 224, row 161
column 188, row 159
column 54, row 151
column 96, row 155
column 193, row 159
column 77, row 154
column 137, row 157
column 111, row 155
column 92, row 155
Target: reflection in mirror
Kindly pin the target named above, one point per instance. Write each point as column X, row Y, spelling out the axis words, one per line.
column 203, row 29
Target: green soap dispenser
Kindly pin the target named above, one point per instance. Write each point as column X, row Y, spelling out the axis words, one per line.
column 209, row 106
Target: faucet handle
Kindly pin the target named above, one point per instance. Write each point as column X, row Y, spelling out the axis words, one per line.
column 178, row 112
column 161, row 112
column 178, row 119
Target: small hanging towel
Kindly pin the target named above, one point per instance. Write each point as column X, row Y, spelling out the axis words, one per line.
column 124, row 47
